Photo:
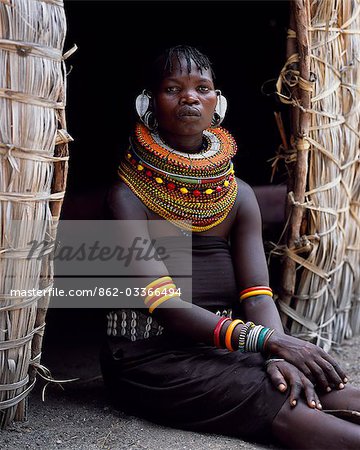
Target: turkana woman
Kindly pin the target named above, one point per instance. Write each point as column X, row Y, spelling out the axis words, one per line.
column 202, row 367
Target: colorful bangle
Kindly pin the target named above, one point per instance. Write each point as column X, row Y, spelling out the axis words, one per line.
column 252, row 338
column 267, row 338
column 260, row 341
column 255, row 288
column 218, row 329
column 229, row 333
column 243, row 335
column 157, row 286
column 158, row 280
column 163, row 299
column 256, row 338
column 249, row 339
column 256, row 292
column 153, row 300
column 164, row 288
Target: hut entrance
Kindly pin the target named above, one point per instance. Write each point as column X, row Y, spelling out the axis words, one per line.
column 246, row 42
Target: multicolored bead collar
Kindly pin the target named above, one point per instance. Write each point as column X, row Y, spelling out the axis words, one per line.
column 193, row 191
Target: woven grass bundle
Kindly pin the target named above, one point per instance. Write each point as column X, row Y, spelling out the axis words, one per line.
column 33, row 170
column 321, row 272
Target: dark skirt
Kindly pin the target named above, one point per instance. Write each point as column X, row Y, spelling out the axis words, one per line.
column 191, row 386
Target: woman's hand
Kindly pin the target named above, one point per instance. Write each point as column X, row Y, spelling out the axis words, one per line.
column 319, row 367
column 284, row 375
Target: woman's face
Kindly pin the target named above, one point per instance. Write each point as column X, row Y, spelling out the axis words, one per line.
column 184, row 103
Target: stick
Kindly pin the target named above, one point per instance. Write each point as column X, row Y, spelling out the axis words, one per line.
column 302, row 21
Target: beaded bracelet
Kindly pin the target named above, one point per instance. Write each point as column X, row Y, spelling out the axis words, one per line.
column 243, row 335
column 255, row 290
column 218, row 329
column 229, row 333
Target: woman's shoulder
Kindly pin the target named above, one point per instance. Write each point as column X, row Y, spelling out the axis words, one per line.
column 122, row 203
column 245, row 196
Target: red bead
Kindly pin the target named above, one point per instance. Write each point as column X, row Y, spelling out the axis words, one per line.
column 218, row 189
column 148, row 173
column 231, row 177
column 196, row 193
column 171, row 186
column 133, row 161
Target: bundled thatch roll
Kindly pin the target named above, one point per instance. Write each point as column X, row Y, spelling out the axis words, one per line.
column 33, row 169
column 321, row 278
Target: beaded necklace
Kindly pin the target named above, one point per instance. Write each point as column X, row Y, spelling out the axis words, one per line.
column 199, row 188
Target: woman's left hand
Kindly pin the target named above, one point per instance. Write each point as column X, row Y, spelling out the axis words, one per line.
column 284, row 375
column 310, row 359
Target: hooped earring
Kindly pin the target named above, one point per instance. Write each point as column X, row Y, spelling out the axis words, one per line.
column 143, row 109
column 220, row 109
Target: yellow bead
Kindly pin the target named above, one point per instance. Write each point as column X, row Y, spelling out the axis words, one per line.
column 226, row 183
column 183, row 190
column 128, row 155
column 140, row 167
column 209, row 191
column 159, row 180
column 232, row 171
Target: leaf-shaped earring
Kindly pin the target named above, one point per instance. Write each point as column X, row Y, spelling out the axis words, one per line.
column 220, row 110
column 143, row 109
column 142, row 103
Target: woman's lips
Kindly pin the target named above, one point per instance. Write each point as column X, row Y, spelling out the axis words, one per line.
column 188, row 111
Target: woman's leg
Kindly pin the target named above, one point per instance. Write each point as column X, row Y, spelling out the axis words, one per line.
column 347, row 398
column 304, row 428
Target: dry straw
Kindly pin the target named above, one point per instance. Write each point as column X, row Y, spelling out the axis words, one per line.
column 33, row 169
column 320, row 298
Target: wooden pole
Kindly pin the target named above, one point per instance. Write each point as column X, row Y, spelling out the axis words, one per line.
column 59, row 182
column 301, row 14
column 58, row 185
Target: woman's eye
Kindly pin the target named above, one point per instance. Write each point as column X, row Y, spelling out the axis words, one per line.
column 172, row 89
column 204, row 89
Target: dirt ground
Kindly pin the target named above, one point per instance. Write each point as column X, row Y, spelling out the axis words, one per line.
column 79, row 416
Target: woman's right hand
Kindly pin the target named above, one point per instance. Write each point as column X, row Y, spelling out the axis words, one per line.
column 317, row 365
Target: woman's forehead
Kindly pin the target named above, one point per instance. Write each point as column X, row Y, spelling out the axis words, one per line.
column 180, row 67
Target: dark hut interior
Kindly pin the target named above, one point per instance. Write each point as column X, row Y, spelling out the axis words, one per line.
column 246, row 42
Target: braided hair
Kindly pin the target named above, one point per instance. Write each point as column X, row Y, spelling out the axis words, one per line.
column 164, row 64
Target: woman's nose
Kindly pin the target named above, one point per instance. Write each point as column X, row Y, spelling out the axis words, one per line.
column 189, row 98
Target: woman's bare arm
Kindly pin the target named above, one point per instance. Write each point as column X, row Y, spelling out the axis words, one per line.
column 251, row 270
column 181, row 317
column 249, row 259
